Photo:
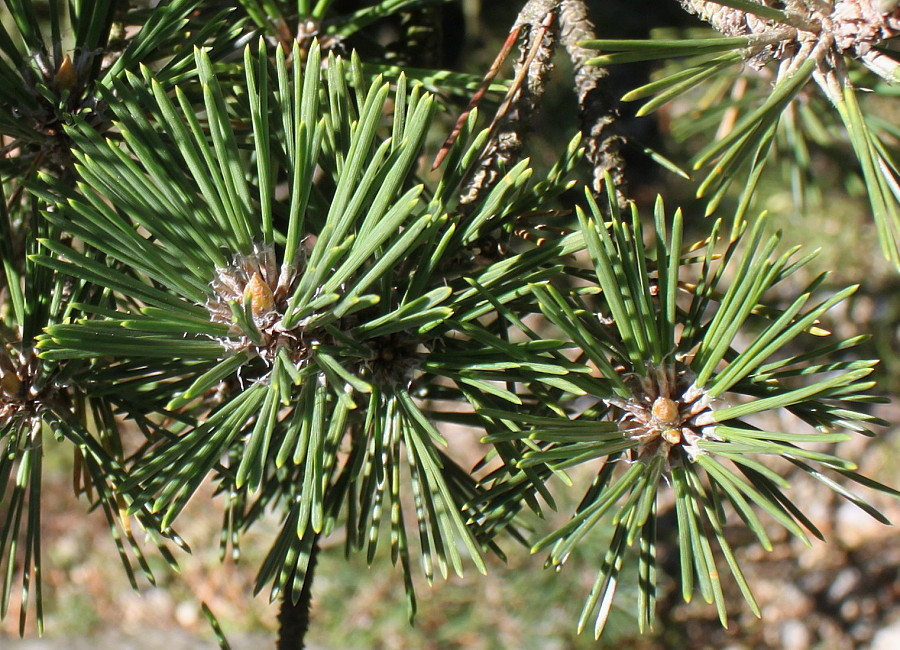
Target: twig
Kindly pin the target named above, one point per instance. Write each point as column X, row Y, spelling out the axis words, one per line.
column 596, row 106
column 293, row 617
column 543, row 23
column 536, row 20
column 476, row 98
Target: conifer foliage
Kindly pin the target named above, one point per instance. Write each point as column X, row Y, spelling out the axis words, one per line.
column 226, row 259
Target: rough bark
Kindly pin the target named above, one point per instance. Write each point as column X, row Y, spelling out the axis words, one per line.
column 293, row 617
column 537, row 21
column 596, row 106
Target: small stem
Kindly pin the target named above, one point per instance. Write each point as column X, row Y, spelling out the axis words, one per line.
column 536, row 21
column 293, row 618
column 598, row 109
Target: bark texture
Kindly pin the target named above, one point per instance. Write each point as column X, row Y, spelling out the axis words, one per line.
column 293, row 617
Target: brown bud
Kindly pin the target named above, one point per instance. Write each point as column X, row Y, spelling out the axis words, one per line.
column 262, row 301
column 65, row 77
column 672, row 436
column 10, row 383
column 665, row 410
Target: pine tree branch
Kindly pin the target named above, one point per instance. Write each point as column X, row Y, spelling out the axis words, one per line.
column 545, row 23
column 538, row 20
column 293, row 617
column 597, row 108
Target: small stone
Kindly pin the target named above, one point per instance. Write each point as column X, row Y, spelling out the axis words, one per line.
column 887, row 638
column 794, row 635
column 854, row 527
column 844, row 584
column 186, row 614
